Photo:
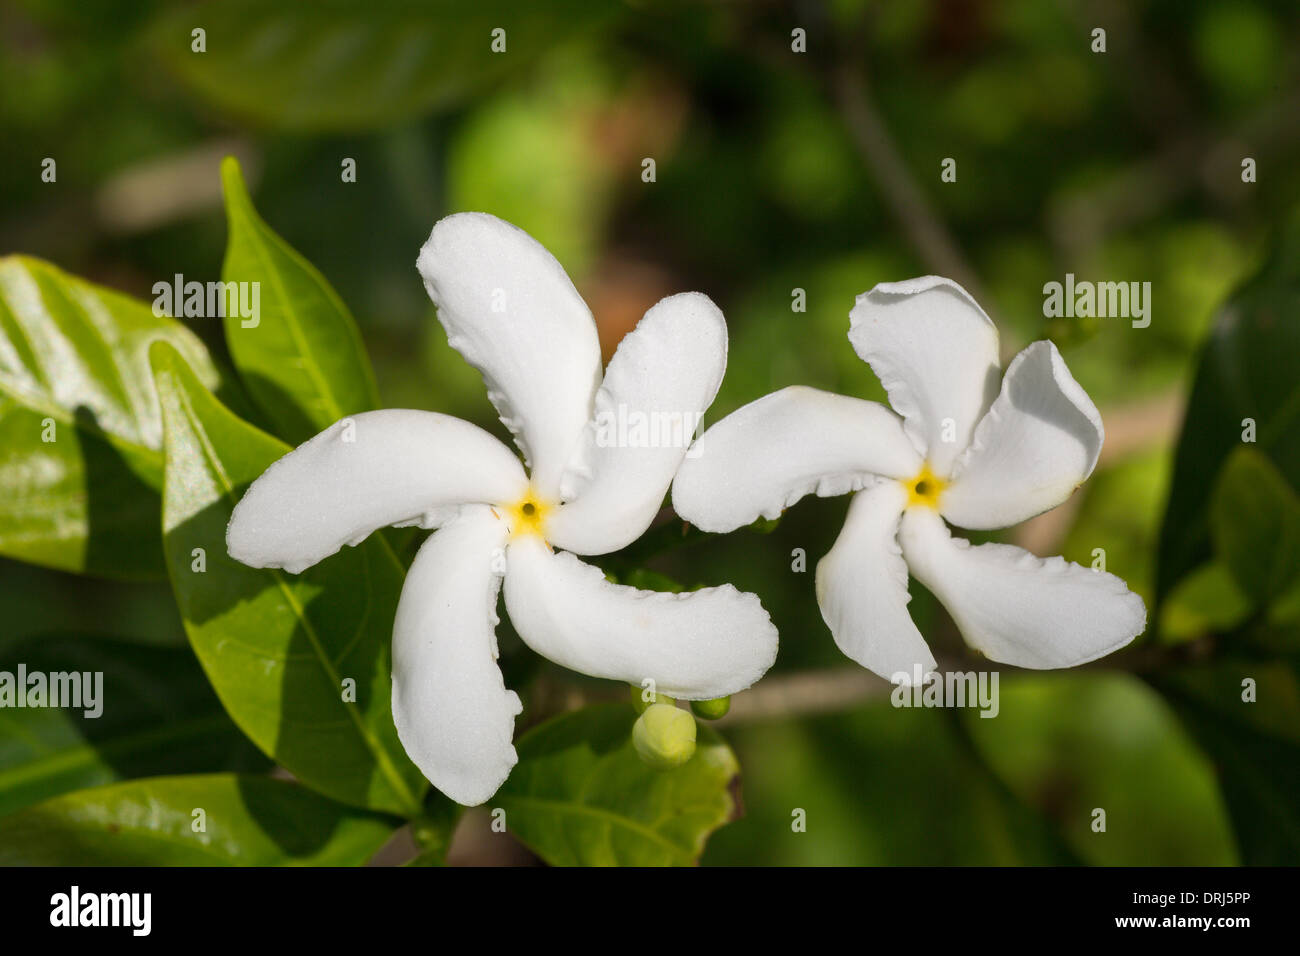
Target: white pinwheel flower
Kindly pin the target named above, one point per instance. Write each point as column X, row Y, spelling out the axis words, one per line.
column 509, row 308
column 959, row 448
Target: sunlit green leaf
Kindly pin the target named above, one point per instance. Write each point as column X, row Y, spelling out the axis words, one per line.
column 206, row 820
column 80, row 433
column 580, row 795
column 280, row 649
column 301, row 356
column 152, row 712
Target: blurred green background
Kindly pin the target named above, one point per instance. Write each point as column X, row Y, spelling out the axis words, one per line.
column 775, row 170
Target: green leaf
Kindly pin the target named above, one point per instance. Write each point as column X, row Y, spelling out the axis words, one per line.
column 647, row 580
column 1254, row 746
column 1247, row 370
column 1286, row 609
column 278, row 647
column 1255, row 525
column 580, row 795
column 1068, row 742
column 247, row 821
column 1208, row 600
column 301, row 356
column 80, row 433
column 157, row 714
column 878, row 785
column 353, row 65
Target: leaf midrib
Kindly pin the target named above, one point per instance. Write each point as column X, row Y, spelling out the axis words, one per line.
column 380, row 753
column 580, row 809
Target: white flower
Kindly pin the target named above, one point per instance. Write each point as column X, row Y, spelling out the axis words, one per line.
column 962, row 450
column 511, row 311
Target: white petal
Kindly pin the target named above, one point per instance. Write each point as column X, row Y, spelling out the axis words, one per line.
column 395, row 466
column 696, row 645
column 1038, row 442
column 658, row 384
column 936, row 353
column 1017, row 608
column 764, row 457
column 453, row 713
column 511, row 311
column 862, row 589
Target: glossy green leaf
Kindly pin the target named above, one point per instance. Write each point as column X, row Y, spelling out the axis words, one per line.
column 244, row 821
column 357, row 64
column 1255, row 525
column 580, row 795
column 156, row 714
column 279, row 648
column 1246, row 374
column 80, row 433
column 301, row 355
column 1254, row 745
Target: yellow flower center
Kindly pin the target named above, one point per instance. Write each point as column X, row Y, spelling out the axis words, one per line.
column 924, row 488
column 528, row 516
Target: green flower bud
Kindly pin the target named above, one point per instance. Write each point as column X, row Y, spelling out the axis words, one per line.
column 640, row 703
column 664, row 736
column 711, row 709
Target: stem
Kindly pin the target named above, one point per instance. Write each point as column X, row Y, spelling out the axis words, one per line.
column 922, row 226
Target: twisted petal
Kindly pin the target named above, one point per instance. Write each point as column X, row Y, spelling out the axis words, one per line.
column 453, row 713
column 1017, row 608
column 658, row 384
column 764, row 457
column 378, row 468
column 511, row 311
column 697, row 645
column 936, row 353
column 862, row 589
column 1038, row 442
